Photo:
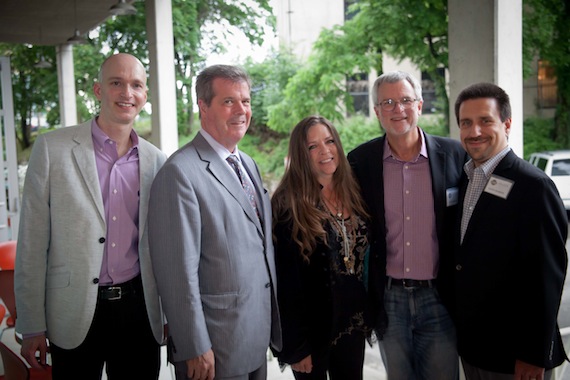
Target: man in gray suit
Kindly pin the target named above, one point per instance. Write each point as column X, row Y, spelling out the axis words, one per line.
column 83, row 275
column 210, row 240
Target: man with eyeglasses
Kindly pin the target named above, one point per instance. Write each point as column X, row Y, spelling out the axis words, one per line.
column 411, row 231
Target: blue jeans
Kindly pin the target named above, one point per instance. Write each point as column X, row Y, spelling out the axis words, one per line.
column 420, row 342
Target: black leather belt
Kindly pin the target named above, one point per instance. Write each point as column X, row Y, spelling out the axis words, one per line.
column 408, row 283
column 118, row 291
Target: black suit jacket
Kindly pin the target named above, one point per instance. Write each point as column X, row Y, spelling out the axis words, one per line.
column 446, row 159
column 510, row 272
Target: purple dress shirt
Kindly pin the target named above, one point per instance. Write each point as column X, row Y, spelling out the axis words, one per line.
column 120, row 185
column 411, row 238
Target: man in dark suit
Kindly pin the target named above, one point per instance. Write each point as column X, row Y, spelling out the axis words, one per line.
column 210, row 239
column 409, row 182
column 510, row 257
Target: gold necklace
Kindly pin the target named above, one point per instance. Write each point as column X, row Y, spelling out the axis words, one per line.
column 336, row 206
column 348, row 256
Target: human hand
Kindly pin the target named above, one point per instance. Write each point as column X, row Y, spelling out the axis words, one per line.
column 526, row 371
column 29, row 348
column 305, row 365
column 201, row 367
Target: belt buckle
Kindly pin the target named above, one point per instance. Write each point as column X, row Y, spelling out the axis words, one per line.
column 406, row 282
column 115, row 288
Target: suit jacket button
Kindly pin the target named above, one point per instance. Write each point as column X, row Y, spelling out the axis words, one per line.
column 95, row 280
column 101, row 240
column 268, row 285
column 458, row 267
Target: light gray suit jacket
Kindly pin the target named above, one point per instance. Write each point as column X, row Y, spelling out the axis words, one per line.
column 62, row 231
column 213, row 260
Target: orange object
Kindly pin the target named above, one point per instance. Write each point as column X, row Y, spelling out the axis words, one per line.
column 16, row 369
column 7, row 295
column 2, row 312
column 7, row 254
column 7, row 261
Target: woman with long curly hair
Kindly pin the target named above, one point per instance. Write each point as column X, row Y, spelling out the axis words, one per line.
column 321, row 249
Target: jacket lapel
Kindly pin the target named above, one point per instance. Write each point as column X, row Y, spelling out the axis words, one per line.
column 84, row 156
column 146, row 161
column 485, row 200
column 227, row 178
column 436, row 157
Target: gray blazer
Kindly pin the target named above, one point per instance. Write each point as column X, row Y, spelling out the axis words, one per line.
column 62, row 225
column 213, row 260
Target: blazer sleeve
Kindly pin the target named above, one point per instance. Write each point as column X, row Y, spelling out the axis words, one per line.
column 175, row 241
column 542, row 267
column 291, row 295
column 33, row 243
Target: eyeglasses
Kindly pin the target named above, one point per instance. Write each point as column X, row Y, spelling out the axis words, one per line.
column 389, row 104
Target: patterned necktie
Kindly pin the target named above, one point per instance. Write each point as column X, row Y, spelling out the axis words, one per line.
column 247, row 186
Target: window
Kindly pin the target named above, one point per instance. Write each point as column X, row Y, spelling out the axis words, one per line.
column 561, row 167
column 541, row 163
column 428, row 92
column 547, row 87
column 348, row 15
column 358, row 89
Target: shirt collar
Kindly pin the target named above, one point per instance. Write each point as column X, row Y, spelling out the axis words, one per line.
column 220, row 150
column 488, row 167
column 100, row 137
column 423, row 147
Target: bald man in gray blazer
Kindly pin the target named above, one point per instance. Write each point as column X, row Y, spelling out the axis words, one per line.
column 211, row 242
column 83, row 276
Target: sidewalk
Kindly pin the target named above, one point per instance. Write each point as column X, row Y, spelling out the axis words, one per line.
column 373, row 367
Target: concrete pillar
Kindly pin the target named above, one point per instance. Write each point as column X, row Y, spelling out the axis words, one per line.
column 10, row 199
column 485, row 45
column 66, row 84
column 162, row 79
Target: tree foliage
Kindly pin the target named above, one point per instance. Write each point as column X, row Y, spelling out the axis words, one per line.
column 416, row 30
column 37, row 89
column 269, row 78
column 34, row 89
column 377, row 27
column 547, row 35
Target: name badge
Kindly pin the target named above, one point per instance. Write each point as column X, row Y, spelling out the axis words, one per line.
column 499, row 186
column 452, row 196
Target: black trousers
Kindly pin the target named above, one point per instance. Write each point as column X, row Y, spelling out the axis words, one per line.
column 120, row 337
column 344, row 361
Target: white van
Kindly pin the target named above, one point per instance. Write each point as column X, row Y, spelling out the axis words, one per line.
column 556, row 164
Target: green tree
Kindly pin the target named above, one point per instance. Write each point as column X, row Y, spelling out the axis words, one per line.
column 190, row 20
column 269, row 78
column 546, row 35
column 36, row 89
column 378, row 26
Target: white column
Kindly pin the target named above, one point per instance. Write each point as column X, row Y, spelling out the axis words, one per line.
column 508, row 64
column 66, row 84
column 485, row 45
column 9, row 200
column 162, row 79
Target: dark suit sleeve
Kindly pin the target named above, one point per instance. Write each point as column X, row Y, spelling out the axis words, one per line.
column 292, row 296
column 542, row 267
column 366, row 164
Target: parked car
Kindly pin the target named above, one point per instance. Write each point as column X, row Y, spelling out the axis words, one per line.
column 556, row 164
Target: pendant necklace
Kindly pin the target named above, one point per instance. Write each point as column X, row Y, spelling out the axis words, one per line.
column 336, row 206
column 348, row 259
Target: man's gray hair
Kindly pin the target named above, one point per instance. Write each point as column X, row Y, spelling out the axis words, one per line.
column 395, row 77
